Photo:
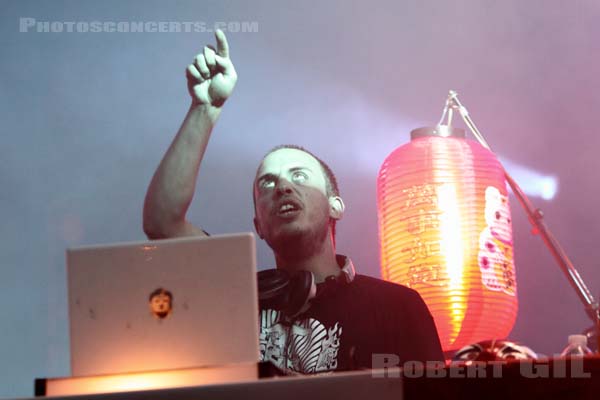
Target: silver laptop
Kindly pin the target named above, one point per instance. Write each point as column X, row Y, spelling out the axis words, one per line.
column 175, row 303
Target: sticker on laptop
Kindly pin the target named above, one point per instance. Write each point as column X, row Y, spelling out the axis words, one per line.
column 161, row 303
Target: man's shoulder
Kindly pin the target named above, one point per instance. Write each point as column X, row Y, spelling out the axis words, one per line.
column 369, row 281
column 384, row 289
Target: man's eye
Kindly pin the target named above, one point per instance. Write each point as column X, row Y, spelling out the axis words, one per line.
column 267, row 183
column 299, row 177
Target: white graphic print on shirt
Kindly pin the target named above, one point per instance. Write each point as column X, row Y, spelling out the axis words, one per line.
column 305, row 346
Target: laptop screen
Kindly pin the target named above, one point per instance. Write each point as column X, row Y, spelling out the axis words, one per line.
column 175, row 303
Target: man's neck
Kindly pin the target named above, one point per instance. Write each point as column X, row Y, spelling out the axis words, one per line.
column 322, row 262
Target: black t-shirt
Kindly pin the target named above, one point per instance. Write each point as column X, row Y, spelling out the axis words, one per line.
column 345, row 326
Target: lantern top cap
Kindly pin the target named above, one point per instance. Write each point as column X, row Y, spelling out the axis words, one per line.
column 438, row 130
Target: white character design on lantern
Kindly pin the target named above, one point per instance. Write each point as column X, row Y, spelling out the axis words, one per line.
column 496, row 244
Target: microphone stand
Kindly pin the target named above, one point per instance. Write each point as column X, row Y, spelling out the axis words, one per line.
column 536, row 219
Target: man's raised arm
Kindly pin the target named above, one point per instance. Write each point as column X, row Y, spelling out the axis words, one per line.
column 210, row 79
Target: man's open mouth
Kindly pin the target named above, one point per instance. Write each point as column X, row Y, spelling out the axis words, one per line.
column 288, row 209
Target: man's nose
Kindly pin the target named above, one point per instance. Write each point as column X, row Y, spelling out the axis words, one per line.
column 283, row 187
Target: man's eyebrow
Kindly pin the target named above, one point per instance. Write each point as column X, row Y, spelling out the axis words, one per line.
column 273, row 176
column 300, row 168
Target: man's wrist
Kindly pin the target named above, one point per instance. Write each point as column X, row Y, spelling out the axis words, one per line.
column 212, row 112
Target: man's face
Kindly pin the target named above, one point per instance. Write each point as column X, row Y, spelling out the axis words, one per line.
column 292, row 207
column 160, row 305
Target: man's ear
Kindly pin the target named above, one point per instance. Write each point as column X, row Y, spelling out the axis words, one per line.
column 336, row 207
column 257, row 228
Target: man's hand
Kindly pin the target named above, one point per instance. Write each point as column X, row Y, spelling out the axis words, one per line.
column 211, row 77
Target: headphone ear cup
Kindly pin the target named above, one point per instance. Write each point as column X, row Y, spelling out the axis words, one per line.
column 302, row 289
column 273, row 288
column 290, row 294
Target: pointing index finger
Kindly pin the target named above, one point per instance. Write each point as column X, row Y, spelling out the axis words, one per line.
column 222, row 45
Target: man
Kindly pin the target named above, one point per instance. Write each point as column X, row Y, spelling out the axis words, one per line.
column 297, row 204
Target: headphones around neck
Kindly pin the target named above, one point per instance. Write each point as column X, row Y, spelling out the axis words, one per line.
column 291, row 293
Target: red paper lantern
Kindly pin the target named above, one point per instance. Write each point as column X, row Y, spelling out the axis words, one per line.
column 445, row 230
